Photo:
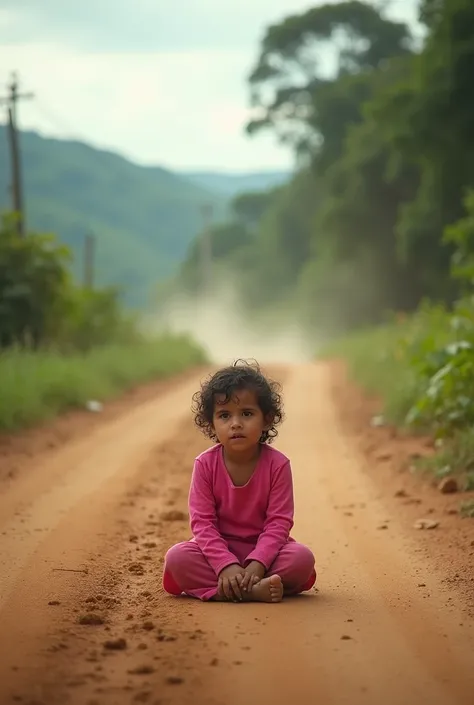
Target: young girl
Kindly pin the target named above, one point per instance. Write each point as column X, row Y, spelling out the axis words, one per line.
column 240, row 501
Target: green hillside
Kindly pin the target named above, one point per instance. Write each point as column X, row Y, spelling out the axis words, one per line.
column 144, row 217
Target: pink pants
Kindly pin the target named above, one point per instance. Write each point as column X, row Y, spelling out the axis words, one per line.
column 187, row 570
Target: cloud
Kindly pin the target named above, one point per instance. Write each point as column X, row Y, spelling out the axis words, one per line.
column 181, row 110
column 144, row 25
column 161, row 82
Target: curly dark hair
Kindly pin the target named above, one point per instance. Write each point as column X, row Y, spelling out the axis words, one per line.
column 242, row 374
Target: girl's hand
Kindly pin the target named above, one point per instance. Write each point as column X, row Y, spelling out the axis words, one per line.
column 230, row 581
column 253, row 574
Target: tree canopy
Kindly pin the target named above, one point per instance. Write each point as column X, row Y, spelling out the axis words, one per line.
column 382, row 132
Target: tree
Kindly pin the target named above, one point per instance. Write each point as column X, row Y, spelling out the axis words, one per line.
column 427, row 118
column 461, row 235
column 41, row 306
column 34, row 286
column 290, row 86
column 386, row 142
column 249, row 208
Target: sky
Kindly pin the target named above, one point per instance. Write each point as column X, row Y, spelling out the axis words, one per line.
column 160, row 81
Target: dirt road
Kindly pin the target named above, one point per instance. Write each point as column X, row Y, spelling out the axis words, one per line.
column 84, row 526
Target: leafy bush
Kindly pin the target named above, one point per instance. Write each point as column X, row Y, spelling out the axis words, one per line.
column 61, row 345
column 455, row 456
column 382, row 359
column 34, row 286
column 446, row 403
column 423, row 365
column 41, row 306
column 95, row 318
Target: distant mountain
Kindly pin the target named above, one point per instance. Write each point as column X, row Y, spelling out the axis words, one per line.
column 230, row 184
column 144, row 217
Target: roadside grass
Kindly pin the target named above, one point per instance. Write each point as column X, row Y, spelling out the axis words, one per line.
column 37, row 385
column 422, row 369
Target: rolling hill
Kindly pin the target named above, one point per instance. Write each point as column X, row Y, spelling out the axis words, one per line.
column 144, row 217
column 230, row 184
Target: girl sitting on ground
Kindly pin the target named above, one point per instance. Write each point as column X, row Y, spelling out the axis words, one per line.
column 240, row 500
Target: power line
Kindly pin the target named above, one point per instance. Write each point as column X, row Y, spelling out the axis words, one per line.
column 11, row 101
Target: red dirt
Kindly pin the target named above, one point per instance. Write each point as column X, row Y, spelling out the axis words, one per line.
column 95, row 502
column 388, row 459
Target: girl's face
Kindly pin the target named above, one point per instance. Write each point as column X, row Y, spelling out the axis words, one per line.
column 239, row 423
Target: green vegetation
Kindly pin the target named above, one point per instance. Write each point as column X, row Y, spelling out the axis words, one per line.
column 467, row 509
column 399, row 359
column 385, row 147
column 61, row 345
column 422, row 366
column 38, row 385
column 144, row 217
column 39, row 303
column 375, row 232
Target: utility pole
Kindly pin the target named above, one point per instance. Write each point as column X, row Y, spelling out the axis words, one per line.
column 89, row 262
column 206, row 247
column 11, row 100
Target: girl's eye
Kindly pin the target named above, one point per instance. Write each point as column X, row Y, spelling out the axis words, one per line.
column 248, row 413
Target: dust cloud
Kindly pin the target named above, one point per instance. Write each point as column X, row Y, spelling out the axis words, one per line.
column 217, row 321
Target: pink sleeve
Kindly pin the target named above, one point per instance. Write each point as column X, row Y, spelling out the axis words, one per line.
column 202, row 512
column 279, row 519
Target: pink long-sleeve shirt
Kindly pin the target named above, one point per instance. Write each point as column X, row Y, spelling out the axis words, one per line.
column 259, row 514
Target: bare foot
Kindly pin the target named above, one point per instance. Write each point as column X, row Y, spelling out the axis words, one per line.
column 267, row 590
